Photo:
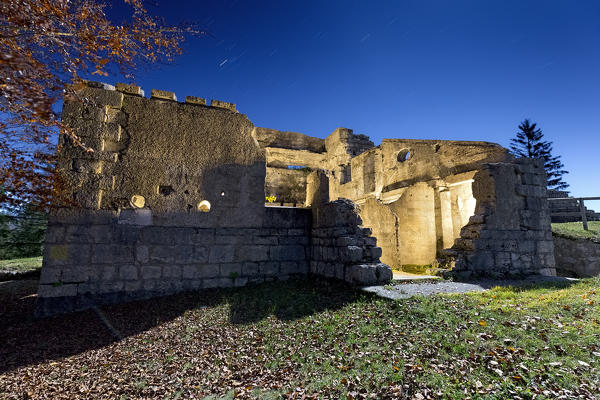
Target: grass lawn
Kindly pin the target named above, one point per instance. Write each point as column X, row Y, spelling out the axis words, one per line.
column 302, row 338
column 575, row 230
column 21, row 264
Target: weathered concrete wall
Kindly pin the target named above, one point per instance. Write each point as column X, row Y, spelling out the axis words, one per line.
column 578, row 258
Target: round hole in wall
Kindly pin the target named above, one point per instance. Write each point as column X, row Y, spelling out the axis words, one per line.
column 204, row 206
column 137, row 201
column 404, row 155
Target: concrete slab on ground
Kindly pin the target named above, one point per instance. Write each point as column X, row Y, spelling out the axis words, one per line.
column 407, row 276
column 404, row 290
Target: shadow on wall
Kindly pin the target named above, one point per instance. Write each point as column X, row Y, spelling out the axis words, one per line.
column 234, row 192
column 34, row 341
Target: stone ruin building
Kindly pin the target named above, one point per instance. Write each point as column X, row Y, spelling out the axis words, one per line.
column 173, row 198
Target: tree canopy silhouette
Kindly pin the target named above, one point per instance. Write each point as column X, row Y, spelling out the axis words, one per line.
column 46, row 44
column 529, row 143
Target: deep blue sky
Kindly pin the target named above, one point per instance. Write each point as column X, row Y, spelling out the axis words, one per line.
column 465, row 70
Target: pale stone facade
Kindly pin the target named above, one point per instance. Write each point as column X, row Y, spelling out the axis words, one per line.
column 173, row 198
column 428, row 201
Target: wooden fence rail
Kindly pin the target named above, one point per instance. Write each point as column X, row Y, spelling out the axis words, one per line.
column 582, row 209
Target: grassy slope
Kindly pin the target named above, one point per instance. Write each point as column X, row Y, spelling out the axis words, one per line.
column 575, row 230
column 326, row 341
column 21, row 264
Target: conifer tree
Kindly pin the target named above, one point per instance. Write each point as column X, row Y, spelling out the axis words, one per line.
column 529, row 143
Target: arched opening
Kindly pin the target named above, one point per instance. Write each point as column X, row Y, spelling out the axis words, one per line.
column 403, row 155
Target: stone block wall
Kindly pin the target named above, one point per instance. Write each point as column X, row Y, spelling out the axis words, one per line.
column 577, row 258
column 510, row 233
column 341, row 248
column 96, row 258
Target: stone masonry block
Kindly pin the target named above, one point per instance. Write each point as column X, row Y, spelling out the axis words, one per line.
column 75, row 254
column 132, row 286
column 350, row 254
column 163, row 95
column 163, row 254
column 50, row 274
column 55, row 234
column 361, row 274
column 171, row 271
column 545, row 246
column 270, row 240
column 483, row 260
column 107, row 272
column 112, row 253
column 98, row 85
column 239, row 282
column 101, row 97
column 373, row 254
column 313, row 266
column 526, row 246
column 531, row 190
column 101, row 233
column 503, row 260
column 151, row 271
column 201, row 271
column 253, row 253
column 230, row 239
column 506, row 245
column 75, row 274
column 339, row 271
column 287, row 240
column 369, row 241
column 289, row 267
column 223, row 104
column 269, row 268
column 232, row 270
column 536, row 203
column 366, row 231
column 203, row 237
column 195, row 100
column 347, row 241
column 288, row 253
column 149, row 285
column 249, row 269
column 217, row 283
column 177, row 254
column 64, row 290
column 221, row 254
column 111, row 287
column 158, row 235
column 142, row 254
column 130, row 89
column 200, row 255
column 128, row 272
